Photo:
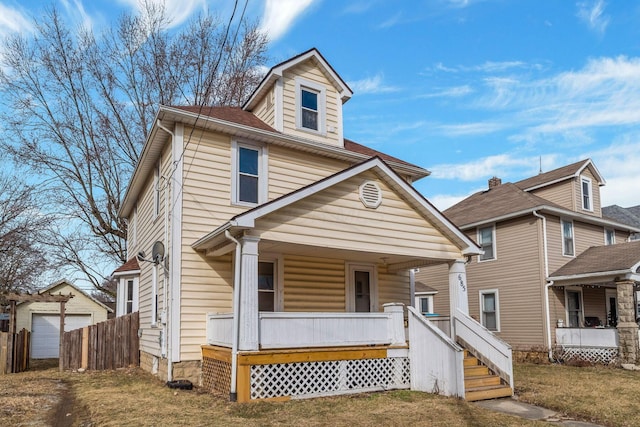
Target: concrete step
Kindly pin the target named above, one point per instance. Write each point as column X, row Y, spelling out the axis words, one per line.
column 481, row 381
column 474, row 371
column 487, row 392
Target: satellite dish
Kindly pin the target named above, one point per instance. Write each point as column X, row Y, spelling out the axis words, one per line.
column 157, row 252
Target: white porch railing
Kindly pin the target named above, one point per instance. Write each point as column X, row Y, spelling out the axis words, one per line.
column 220, row 329
column 587, row 337
column 304, row 330
column 436, row 361
column 491, row 350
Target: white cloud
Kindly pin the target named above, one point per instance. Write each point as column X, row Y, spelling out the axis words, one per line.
column 477, row 128
column 592, row 14
column 280, row 15
column 75, row 10
column 452, row 92
column 508, row 167
column 392, row 21
column 371, row 85
column 13, row 20
column 445, row 201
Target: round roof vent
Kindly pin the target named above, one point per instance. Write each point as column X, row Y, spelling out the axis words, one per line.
column 370, row 194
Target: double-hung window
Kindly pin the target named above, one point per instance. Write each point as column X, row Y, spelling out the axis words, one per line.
column 587, row 203
column 310, row 106
column 249, row 174
column 567, row 238
column 609, row 236
column 489, row 310
column 486, row 239
column 266, row 286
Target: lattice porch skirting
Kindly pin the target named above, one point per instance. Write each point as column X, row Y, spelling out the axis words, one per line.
column 595, row 355
column 326, row 378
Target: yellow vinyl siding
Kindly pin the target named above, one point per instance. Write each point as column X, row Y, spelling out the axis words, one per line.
column 393, row 287
column 336, row 218
column 314, row 284
column 309, row 71
column 265, row 109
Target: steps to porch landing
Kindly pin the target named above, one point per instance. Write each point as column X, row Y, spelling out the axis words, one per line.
column 480, row 383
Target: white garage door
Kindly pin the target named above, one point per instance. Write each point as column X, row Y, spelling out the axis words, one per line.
column 45, row 332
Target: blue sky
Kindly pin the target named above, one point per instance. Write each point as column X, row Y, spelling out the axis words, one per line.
column 468, row 89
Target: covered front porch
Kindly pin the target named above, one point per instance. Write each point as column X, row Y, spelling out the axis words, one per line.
column 596, row 299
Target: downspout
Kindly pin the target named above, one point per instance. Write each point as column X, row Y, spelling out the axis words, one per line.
column 165, row 313
column 233, row 395
column 548, row 284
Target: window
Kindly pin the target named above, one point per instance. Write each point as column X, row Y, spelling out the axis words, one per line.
column 486, row 240
column 129, row 297
column 424, row 303
column 567, row 238
column 310, row 106
column 489, row 310
column 248, row 183
column 309, row 109
column 266, row 286
column 574, row 308
column 586, row 194
column 156, row 189
column 609, row 236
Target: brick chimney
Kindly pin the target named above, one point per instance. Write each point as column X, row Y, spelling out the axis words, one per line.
column 494, row 182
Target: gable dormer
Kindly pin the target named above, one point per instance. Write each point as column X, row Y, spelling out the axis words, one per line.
column 302, row 96
column 575, row 187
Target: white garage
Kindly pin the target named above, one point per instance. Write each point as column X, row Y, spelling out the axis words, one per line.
column 43, row 318
column 45, row 332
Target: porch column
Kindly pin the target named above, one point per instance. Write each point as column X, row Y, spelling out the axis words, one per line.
column 458, row 298
column 627, row 326
column 248, row 339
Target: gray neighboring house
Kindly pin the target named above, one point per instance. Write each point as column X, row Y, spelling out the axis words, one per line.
column 630, row 216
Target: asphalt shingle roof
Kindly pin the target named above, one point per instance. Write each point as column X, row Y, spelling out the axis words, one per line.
column 629, row 216
column 599, row 259
column 563, row 172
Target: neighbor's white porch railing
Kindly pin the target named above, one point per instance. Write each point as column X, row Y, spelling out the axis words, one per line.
column 436, row 361
column 587, row 337
column 220, row 329
column 491, row 350
column 303, row 330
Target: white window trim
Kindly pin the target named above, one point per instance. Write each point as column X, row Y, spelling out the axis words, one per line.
column 350, row 301
column 566, row 305
column 493, row 243
column 584, row 179
column 263, row 171
column 428, row 297
column 278, row 282
column 613, row 234
column 121, row 307
column 481, row 301
column 573, row 237
column 322, row 105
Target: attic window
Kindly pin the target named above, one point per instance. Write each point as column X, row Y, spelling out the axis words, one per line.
column 370, row 194
column 309, row 109
column 310, row 106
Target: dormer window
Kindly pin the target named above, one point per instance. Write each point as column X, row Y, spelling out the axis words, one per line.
column 310, row 106
column 587, row 203
column 309, row 109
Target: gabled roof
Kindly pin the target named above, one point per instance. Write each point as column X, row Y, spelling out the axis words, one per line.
column 63, row 282
column 496, row 202
column 614, row 259
column 558, row 175
column 276, row 72
column 247, row 219
column 238, row 123
column 129, row 267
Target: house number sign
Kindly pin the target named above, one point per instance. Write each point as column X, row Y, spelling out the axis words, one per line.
column 461, row 280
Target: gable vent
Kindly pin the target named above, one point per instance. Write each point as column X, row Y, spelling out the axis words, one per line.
column 370, row 194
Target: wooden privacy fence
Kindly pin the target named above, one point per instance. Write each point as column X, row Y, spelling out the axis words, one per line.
column 14, row 352
column 107, row 345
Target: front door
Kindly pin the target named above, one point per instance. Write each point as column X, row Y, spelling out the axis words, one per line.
column 361, row 290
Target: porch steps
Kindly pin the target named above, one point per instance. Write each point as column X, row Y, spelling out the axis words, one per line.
column 480, row 383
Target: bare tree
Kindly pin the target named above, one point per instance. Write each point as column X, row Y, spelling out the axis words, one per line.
column 23, row 259
column 78, row 108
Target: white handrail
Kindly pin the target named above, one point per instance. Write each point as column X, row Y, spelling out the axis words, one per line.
column 436, row 360
column 486, row 346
